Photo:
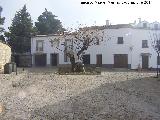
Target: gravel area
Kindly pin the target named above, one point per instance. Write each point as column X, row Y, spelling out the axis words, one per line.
column 39, row 94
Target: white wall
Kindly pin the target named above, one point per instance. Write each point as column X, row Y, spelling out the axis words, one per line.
column 137, row 36
column 109, row 47
column 48, row 49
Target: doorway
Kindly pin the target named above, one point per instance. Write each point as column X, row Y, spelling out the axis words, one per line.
column 54, row 59
column 99, row 60
column 145, row 61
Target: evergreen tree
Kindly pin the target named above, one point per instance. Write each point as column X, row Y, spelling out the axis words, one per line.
column 1, row 20
column 1, row 28
column 48, row 24
column 20, row 31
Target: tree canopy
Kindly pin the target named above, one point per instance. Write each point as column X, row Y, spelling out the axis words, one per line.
column 20, row 31
column 1, row 23
column 1, row 20
column 77, row 43
column 48, row 24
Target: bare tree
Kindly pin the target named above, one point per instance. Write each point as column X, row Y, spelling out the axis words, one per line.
column 155, row 38
column 76, row 43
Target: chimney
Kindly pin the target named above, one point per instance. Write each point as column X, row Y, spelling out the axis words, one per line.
column 139, row 20
column 107, row 22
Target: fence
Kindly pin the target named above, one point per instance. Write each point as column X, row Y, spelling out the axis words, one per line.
column 22, row 60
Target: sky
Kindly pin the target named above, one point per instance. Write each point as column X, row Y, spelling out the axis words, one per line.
column 72, row 13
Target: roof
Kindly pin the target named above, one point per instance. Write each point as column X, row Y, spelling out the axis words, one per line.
column 92, row 28
column 108, row 27
column 47, row 35
column 65, row 33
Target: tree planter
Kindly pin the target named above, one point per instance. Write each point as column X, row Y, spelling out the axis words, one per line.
column 88, row 71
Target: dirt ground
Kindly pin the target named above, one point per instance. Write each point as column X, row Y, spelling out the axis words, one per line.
column 39, row 94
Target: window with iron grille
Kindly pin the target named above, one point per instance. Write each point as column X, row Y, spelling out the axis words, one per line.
column 144, row 44
column 120, row 40
column 65, row 58
column 39, row 45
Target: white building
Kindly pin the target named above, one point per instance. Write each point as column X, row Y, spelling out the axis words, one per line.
column 126, row 46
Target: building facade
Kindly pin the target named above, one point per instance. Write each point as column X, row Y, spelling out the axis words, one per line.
column 125, row 46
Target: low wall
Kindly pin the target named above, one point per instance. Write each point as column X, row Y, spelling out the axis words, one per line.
column 22, row 60
column 5, row 54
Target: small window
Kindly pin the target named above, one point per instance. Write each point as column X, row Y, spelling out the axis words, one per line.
column 144, row 25
column 144, row 44
column 158, row 60
column 39, row 45
column 120, row 40
column 156, row 26
column 65, row 58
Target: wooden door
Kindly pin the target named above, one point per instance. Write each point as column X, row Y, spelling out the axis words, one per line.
column 54, row 59
column 120, row 61
column 40, row 60
column 86, row 59
column 99, row 60
column 145, row 61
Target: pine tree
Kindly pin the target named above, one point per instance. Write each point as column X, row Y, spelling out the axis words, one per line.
column 1, row 20
column 20, row 31
column 48, row 24
column 1, row 28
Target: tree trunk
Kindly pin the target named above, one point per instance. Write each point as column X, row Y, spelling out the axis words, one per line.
column 72, row 59
column 82, row 49
column 76, row 66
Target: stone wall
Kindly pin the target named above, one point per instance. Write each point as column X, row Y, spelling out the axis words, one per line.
column 5, row 54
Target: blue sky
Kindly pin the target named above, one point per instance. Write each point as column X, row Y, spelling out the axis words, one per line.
column 72, row 12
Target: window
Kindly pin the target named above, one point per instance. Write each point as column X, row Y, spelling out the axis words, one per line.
column 39, row 45
column 65, row 58
column 120, row 40
column 144, row 25
column 144, row 44
column 158, row 60
column 156, row 26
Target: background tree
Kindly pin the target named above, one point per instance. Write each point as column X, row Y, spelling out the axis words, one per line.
column 20, row 31
column 1, row 28
column 155, row 38
column 77, row 43
column 48, row 24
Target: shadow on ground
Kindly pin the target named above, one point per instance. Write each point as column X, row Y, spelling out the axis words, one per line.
column 125, row 100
